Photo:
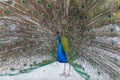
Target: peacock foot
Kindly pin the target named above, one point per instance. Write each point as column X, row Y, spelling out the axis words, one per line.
column 62, row 74
column 67, row 75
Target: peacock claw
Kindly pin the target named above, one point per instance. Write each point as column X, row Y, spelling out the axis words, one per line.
column 68, row 75
column 62, row 74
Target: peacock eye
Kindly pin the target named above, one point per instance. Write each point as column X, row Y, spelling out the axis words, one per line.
column 24, row 1
column 83, row 6
column 73, row 8
column 31, row 27
column 6, row 49
column 113, row 43
column 39, row 2
column 63, row 27
column 34, row 12
column 88, row 30
column 111, row 30
column 69, row 20
column 109, row 16
column 54, row 20
column 79, row 37
column 77, row 18
column 78, row 28
column 86, row 17
column 6, row 25
column 6, row 12
column 59, row 11
column 45, row 24
column 48, row 6
column 9, row 31
column 43, row 15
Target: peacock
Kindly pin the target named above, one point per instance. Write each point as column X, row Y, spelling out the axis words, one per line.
column 28, row 29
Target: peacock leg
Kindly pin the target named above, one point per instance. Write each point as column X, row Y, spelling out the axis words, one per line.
column 64, row 73
column 68, row 71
